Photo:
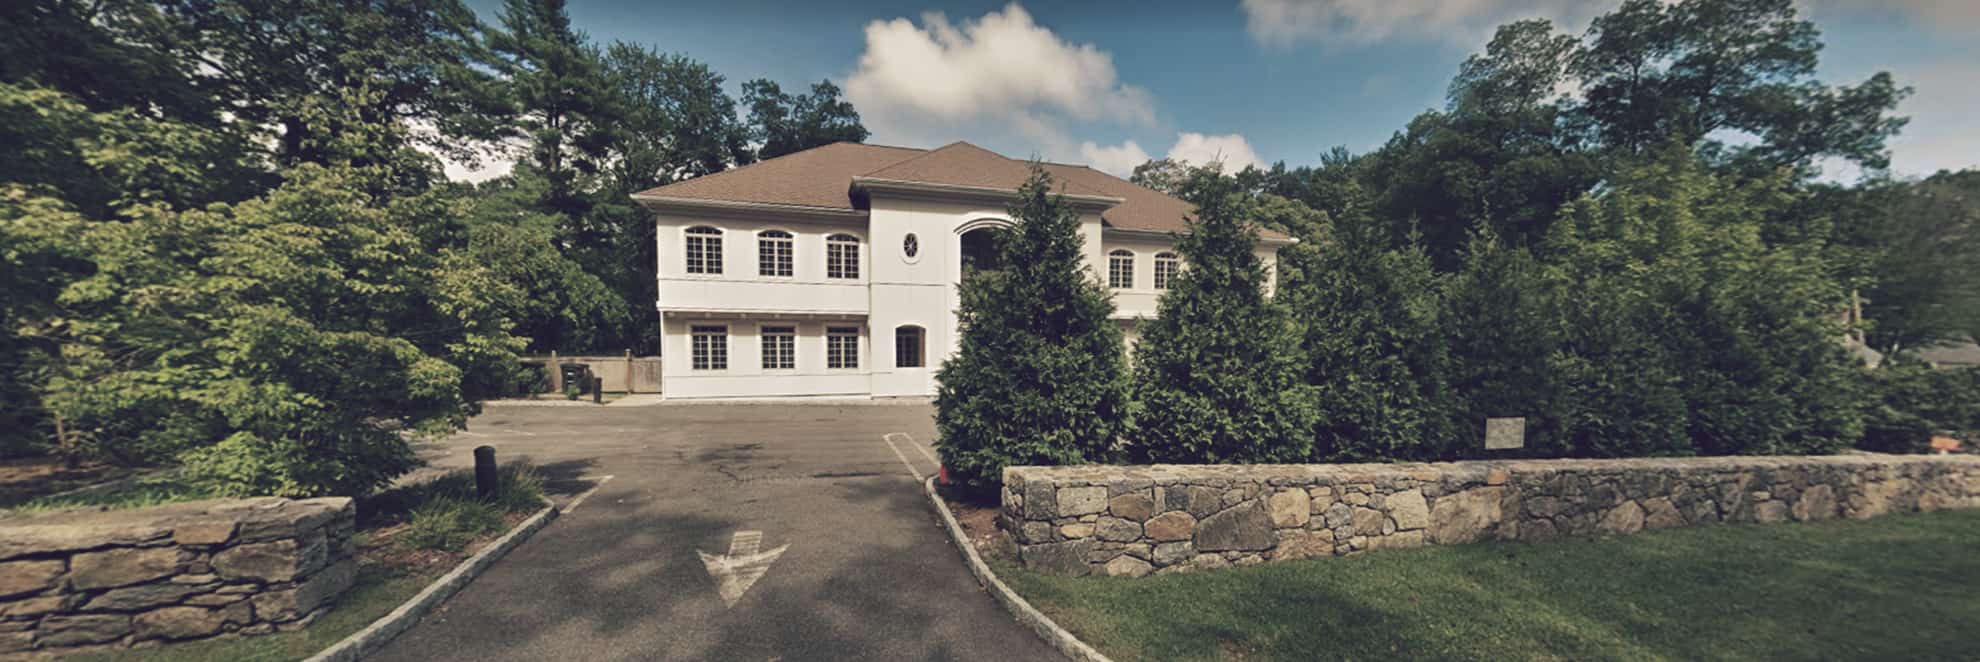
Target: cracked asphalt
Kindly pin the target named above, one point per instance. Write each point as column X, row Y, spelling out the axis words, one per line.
column 868, row 575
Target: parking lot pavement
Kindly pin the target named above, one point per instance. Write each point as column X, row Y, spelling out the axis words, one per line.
column 838, row 555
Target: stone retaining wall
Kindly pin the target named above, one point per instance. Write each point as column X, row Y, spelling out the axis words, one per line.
column 1134, row 520
column 80, row 580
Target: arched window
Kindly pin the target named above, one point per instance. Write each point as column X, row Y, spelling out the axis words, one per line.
column 773, row 253
column 842, row 256
column 1167, row 265
column 1120, row 269
column 907, row 347
column 704, row 250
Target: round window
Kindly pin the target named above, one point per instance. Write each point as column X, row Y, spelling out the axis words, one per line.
column 911, row 246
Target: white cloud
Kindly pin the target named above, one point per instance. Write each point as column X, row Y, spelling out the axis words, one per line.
column 1231, row 150
column 1953, row 16
column 1944, row 133
column 1467, row 22
column 1119, row 160
column 1002, row 68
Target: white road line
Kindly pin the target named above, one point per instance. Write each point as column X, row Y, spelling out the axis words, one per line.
column 924, row 450
column 587, row 493
column 897, row 453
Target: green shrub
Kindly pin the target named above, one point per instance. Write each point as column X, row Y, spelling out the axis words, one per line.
column 1911, row 401
column 449, row 523
column 1038, row 377
column 1218, row 373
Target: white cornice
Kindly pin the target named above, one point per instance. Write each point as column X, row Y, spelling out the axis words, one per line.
column 931, row 190
column 741, row 209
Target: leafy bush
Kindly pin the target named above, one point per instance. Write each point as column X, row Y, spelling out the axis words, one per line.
column 1218, row 374
column 1911, row 401
column 1038, row 378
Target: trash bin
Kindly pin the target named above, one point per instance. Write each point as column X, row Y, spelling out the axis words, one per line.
column 576, row 374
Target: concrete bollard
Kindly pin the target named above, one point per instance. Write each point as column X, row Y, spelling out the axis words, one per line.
column 486, row 481
column 597, row 390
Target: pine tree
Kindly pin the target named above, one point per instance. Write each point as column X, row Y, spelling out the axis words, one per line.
column 1218, row 373
column 1039, row 378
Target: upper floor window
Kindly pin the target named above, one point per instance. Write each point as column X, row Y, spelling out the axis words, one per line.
column 773, row 253
column 779, row 347
column 841, row 347
column 1120, row 269
column 907, row 347
column 710, row 347
column 704, row 250
column 842, row 256
column 1167, row 266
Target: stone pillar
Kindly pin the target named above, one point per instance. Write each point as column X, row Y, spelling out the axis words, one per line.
column 629, row 372
column 556, row 376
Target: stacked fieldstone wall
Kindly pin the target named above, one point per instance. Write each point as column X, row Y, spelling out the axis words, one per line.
column 79, row 580
column 1137, row 520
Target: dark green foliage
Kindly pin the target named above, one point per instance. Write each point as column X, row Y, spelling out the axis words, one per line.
column 1038, row 378
column 1218, row 374
column 1368, row 328
column 784, row 123
column 1502, row 316
column 1910, row 402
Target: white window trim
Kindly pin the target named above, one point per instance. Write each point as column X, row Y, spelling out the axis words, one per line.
column 762, row 347
column 860, row 360
column 722, row 249
column 860, row 251
column 1156, row 271
column 728, row 346
column 1131, row 257
column 789, row 238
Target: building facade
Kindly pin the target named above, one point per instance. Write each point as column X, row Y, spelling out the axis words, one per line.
column 835, row 272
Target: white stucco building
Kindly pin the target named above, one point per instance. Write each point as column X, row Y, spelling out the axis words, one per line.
column 834, row 271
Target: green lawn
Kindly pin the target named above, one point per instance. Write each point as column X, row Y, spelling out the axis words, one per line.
column 1896, row 588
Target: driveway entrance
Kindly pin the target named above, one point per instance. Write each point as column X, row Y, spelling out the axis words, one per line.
column 672, row 557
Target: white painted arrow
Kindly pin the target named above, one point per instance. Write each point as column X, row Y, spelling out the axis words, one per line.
column 736, row 571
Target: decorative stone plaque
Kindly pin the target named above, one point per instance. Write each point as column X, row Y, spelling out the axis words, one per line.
column 1504, row 433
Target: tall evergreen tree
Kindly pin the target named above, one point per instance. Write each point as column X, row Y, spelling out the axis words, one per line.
column 1039, row 377
column 1373, row 344
column 1218, row 373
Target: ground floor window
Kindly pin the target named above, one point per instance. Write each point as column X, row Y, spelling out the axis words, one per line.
column 710, row 348
column 842, row 347
column 779, row 347
column 907, row 347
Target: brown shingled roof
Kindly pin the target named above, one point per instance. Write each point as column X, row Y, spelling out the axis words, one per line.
column 822, row 177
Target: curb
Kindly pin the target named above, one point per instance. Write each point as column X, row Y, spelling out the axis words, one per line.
column 1054, row 636
column 379, row 632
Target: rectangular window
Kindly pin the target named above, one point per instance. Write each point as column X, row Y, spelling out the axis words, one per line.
column 907, row 347
column 773, row 254
column 841, row 257
column 1165, row 271
column 842, row 347
column 710, row 347
column 1120, row 270
column 779, row 347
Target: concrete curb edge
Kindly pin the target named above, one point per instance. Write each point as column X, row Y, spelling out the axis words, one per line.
column 1054, row 636
column 379, row 632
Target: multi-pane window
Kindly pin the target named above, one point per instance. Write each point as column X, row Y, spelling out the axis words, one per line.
column 779, row 347
column 704, row 250
column 1120, row 269
column 842, row 256
column 1166, row 268
column 842, row 347
column 907, row 347
column 710, row 348
column 773, row 253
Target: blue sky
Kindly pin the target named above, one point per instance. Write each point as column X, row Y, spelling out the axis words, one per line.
column 1112, row 83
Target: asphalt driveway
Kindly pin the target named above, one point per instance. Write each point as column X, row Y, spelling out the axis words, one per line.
column 864, row 572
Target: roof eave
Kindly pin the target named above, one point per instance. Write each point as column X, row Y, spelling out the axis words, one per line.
column 740, row 207
column 1277, row 242
column 933, row 190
